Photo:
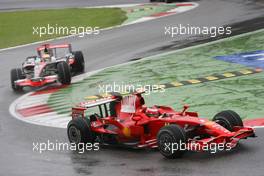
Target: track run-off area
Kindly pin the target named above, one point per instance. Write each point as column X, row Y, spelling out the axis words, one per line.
column 228, row 84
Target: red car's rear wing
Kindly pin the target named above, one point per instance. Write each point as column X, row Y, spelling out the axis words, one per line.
column 78, row 111
column 89, row 104
column 48, row 46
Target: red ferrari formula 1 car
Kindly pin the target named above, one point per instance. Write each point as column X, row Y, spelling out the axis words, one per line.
column 127, row 121
column 53, row 63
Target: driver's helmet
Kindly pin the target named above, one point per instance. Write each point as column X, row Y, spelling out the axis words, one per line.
column 46, row 57
column 152, row 112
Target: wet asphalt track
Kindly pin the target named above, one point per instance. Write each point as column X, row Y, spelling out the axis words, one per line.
column 109, row 48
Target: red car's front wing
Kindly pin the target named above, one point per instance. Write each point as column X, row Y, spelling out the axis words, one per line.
column 204, row 145
column 226, row 140
column 37, row 82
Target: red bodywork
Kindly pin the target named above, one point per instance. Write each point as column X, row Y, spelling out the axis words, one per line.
column 66, row 45
column 37, row 80
column 52, row 49
column 48, row 46
column 137, row 126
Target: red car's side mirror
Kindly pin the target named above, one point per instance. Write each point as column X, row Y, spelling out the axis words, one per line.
column 136, row 118
column 185, row 107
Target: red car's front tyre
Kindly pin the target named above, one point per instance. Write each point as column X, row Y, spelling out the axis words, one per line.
column 78, row 66
column 170, row 138
column 79, row 131
column 16, row 74
column 228, row 119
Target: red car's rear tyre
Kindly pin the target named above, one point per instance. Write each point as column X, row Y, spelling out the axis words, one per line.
column 79, row 131
column 64, row 73
column 78, row 66
column 169, row 140
column 16, row 74
column 228, row 119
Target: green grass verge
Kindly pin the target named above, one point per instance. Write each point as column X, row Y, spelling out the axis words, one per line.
column 16, row 28
column 243, row 94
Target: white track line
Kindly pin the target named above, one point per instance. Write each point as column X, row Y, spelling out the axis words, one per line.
column 182, row 9
column 113, row 6
column 31, row 101
column 46, row 118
